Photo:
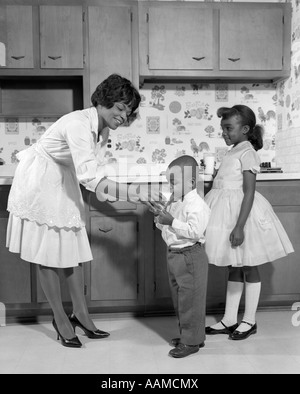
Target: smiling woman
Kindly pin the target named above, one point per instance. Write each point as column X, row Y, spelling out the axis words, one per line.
column 47, row 215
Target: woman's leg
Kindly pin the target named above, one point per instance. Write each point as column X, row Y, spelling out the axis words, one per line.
column 252, row 294
column 234, row 293
column 75, row 281
column 50, row 283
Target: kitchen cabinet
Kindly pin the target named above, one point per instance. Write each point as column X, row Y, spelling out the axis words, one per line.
column 115, row 276
column 280, row 279
column 15, row 275
column 180, row 38
column 189, row 40
column 16, row 34
column 40, row 37
column 251, row 38
column 61, row 36
column 112, row 37
column 157, row 289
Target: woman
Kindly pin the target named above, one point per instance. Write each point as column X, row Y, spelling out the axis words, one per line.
column 47, row 220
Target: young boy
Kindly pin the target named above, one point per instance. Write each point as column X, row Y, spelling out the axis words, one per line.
column 183, row 222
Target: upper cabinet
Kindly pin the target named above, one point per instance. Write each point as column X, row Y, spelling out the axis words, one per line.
column 61, row 36
column 113, row 43
column 180, row 38
column 251, row 38
column 16, row 36
column 214, row 40
column 41, row 37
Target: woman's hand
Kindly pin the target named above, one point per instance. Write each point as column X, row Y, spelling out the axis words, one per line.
column 236, row 237
column 165, row 218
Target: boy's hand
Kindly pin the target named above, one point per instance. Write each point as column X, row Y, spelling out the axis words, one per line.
column 165, row 218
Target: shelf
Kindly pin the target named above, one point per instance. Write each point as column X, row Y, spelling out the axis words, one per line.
column 40, row 96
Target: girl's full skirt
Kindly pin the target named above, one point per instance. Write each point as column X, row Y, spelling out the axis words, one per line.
column 265, row 238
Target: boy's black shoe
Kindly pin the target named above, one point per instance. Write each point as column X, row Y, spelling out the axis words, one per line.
column 184, row 350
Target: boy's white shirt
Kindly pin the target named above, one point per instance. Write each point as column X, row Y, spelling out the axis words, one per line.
column 190, row 220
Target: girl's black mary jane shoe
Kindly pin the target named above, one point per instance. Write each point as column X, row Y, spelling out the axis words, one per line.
column 239, row 336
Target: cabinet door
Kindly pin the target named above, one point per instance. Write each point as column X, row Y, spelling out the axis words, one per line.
column 110, row 43
column 15, row 281
column 162, row 293
column 16, row 35
column 115, row 267
column 61, row 36
column 180, row 38
column 251, row 38
column 280, row 279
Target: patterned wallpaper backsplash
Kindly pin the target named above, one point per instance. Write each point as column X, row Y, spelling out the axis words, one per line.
column 180, row 118
column 174, row 119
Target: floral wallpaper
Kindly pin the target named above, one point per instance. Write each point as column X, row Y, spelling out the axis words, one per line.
column 178, row 119
column 174, row 119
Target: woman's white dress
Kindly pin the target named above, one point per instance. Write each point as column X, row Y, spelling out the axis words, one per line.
column 265, row 238
column 47, row 217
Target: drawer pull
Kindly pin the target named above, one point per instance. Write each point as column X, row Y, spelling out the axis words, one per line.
column 54, row 57
column 234, row 59
column 105, row 230
column 199, row 58
column 17, row 57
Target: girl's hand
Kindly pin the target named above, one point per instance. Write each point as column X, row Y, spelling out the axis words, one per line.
column 236, row 237
column 165, row 218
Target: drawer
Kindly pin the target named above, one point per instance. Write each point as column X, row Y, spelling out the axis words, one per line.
column 280, row 192
column 105, row 206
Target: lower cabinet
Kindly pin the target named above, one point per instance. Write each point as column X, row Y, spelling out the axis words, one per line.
column 280, row 279
column 15, row 274
column 115, row 270
column 157, row 290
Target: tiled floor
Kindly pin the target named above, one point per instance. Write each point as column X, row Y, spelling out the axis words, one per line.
column 140, row 345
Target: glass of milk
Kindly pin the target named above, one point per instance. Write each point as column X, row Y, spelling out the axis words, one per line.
column 209, row 163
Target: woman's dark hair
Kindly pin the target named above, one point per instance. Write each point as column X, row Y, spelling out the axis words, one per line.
column 116, row 89
column 247, row 118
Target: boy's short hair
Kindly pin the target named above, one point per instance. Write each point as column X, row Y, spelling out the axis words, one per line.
column 188, row 166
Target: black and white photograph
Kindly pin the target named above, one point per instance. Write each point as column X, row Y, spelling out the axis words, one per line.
column 149, row 190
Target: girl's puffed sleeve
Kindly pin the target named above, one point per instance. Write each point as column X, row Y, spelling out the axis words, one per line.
column 250, row 161
column 79, row 138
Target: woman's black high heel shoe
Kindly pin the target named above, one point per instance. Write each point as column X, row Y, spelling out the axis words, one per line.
column 73, row 342
column 97, row 334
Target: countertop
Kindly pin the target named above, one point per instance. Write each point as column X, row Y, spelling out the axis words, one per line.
column 7, row 173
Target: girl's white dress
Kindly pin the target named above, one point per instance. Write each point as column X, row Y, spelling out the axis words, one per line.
column 47, row 216
column 265, row 238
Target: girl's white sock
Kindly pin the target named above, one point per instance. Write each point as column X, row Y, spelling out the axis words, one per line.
column 233, row 298
column 252, row 294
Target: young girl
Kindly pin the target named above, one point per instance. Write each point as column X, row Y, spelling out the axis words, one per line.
column 243, row 231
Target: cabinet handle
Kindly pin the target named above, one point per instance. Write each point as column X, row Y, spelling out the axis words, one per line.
column 234, row 60
column 55, row 57
column 199, row 58
column 105, row 230
column 17, row 57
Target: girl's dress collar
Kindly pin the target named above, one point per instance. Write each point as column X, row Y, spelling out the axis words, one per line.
column 241, row 144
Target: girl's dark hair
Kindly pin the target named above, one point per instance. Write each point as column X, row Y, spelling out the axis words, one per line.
column 117, row 89
column 247, row 118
